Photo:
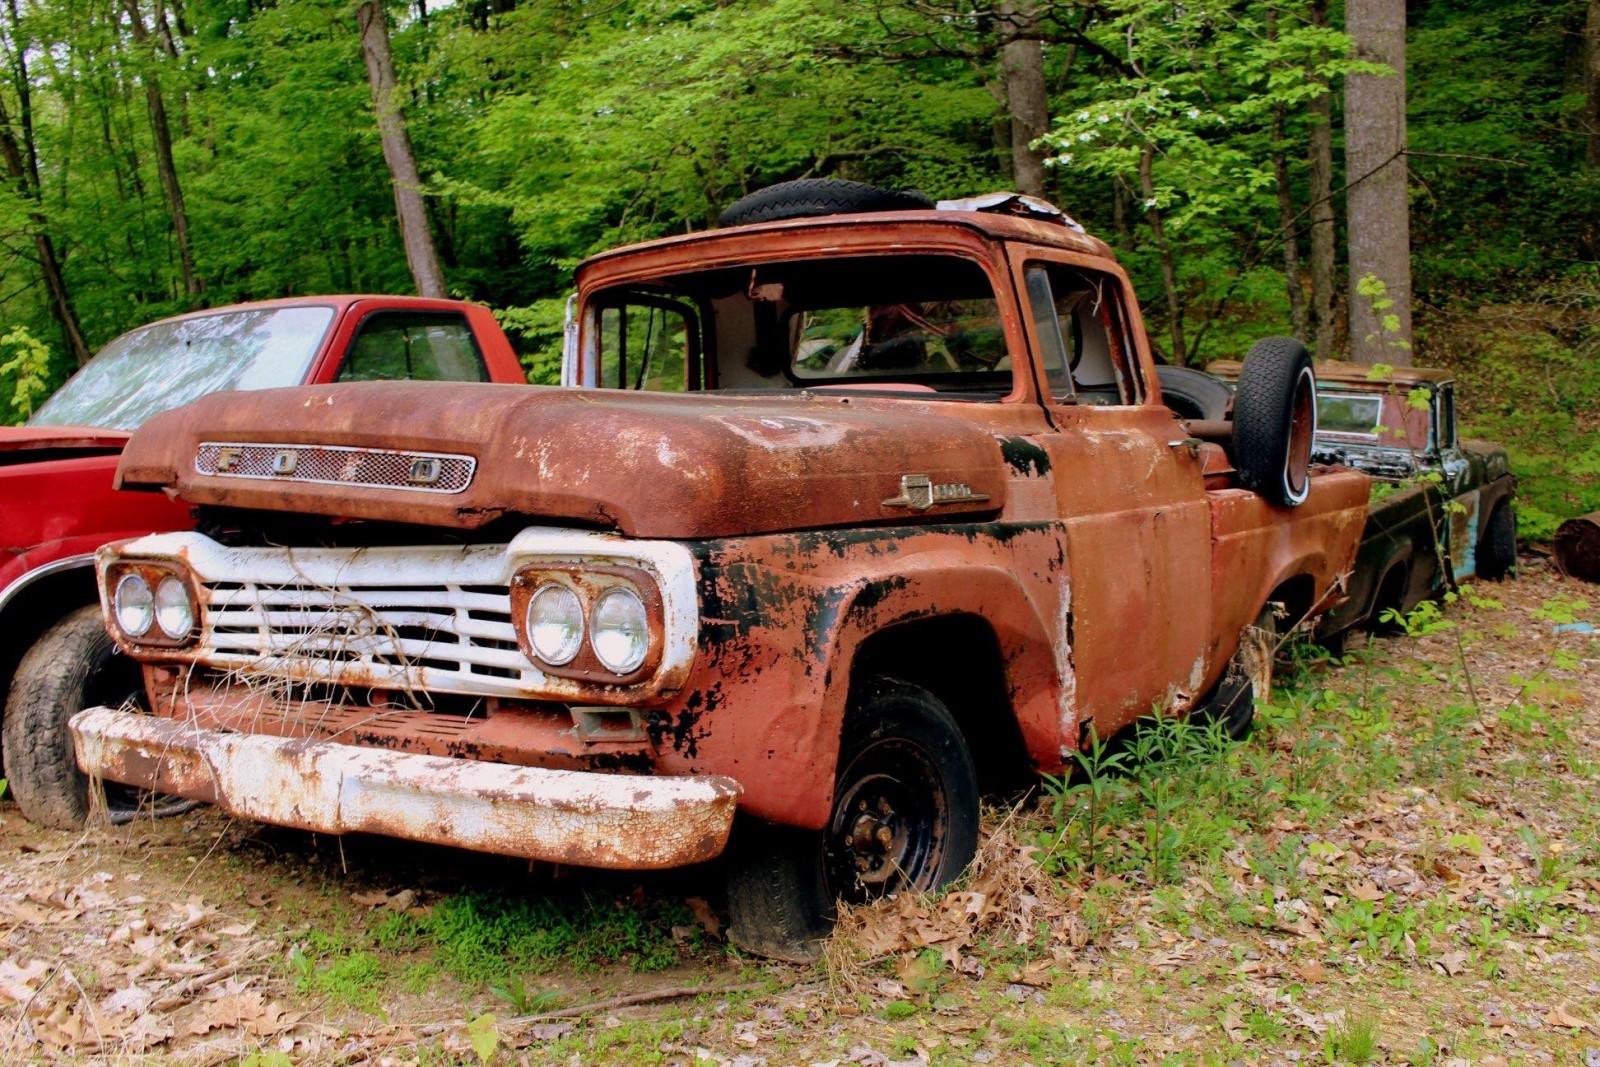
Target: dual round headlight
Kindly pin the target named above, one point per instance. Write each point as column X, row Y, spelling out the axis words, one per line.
column 167, row 607
column 618, row 626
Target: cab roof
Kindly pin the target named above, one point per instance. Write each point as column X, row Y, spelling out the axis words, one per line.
column 809, row 233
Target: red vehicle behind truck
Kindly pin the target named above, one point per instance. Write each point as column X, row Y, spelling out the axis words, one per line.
column 59, row 505
column 906, row 517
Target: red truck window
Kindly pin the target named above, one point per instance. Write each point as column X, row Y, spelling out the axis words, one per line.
column 426, row 346
column 160, row 366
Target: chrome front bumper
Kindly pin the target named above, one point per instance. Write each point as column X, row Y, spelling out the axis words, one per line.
column 584, row 818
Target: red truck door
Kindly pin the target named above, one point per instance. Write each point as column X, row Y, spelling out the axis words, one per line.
column 1131, row 494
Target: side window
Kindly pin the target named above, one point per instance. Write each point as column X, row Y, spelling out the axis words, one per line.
column 1086, row 355
column 425, row 346
column 1047, row 327
column 651, row 345
column 1445, row 417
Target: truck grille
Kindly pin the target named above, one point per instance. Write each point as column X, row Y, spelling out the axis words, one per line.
column 448, row 638
column 423, row 472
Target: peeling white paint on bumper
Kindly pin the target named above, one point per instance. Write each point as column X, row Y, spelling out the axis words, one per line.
column 577, row 817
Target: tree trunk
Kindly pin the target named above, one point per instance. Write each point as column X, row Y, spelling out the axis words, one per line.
column 1324, row 236
column 169, row 184
column 409, row 207
column 22, row 167
column 1286, row 212
column 1028, row 107
column 1169, row 272
column 49, row 265
column 1377, row 210
column 1591, row 66
column 162, row 131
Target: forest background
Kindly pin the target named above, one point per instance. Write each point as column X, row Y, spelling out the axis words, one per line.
column 165, row 155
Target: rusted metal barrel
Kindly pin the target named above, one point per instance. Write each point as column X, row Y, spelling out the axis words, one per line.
column 1578, row 547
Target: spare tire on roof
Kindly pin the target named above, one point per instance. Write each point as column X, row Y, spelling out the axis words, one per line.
column 813, row 197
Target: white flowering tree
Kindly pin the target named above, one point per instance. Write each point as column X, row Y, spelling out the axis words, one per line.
column 1192, row 131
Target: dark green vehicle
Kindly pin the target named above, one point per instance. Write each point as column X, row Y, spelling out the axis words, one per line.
column 1438, row 501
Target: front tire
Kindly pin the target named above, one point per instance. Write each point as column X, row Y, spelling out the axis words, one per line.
column 72, row 666
column 904, row 817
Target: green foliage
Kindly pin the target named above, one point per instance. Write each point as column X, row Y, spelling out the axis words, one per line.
column 522, row 999
column 1352, row 1041
column 1530, row 376
column 343, row 975
column 25, row 375
column 484, row 1039
column 496, row 938
column 1185, row 129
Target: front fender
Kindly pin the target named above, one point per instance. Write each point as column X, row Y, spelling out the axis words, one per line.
column 784, row 617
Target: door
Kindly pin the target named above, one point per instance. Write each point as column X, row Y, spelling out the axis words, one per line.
column 1131, row 494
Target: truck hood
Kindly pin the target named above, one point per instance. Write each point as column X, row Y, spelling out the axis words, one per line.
column 643, row 464
column 26, row 444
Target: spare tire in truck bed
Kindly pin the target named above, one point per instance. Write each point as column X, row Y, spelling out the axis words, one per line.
column 808, row 198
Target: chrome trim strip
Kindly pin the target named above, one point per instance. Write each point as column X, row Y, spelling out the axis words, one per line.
column 55, row 566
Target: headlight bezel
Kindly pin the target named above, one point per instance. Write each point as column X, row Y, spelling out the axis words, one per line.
column 590, row 583
column 153, row 573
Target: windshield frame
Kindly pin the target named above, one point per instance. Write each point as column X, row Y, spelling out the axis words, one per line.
column 812, row 239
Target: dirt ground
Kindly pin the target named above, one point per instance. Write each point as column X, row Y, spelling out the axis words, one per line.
column 1402, row 865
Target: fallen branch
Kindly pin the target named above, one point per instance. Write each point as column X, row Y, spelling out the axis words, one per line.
column 670, row 993
column 180, row 993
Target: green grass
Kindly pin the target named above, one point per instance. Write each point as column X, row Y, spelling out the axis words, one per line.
column 497, row 937
column 1354, row 1041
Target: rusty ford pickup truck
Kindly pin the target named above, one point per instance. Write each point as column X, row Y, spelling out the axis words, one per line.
column 871, row 511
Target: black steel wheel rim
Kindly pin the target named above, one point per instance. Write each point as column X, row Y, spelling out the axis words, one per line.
column 890, row 824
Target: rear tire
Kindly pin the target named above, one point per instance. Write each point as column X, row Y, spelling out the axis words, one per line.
column 1233, row 701
column 905, row 817
column 1497, row 552
column 1275, row 420
column 816, row 197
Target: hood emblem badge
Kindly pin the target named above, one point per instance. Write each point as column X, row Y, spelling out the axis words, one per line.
column 920, row 492
column 285, row 461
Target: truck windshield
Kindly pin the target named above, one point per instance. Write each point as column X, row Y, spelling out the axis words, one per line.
column 167, row 364
column 926, row 322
